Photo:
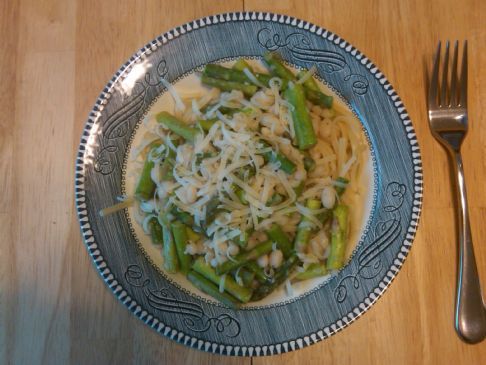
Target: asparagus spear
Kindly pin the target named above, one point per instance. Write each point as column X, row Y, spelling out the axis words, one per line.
column 206, row 124
column 242, row 240
column 155, row 231
column 240, row 194
column 242, row 258
column 318, row 98
column 277, row 68
column 286, row 165
column 240, row 65
column 236, row 74
column 247, row 277
column 309, row 163
column 310, row 83
column 224, row 85
column 313, row 93
column 280, row 276
column 278, row 236
column 182, row 216
column 299, row 189
column 304, row 131
column 304, row 231
column 177, row 126
column 338, row 237
column 260, row 275
column 340, row 189
column 314, row 270
column 180, row 237
column 208, row 287
column 241, row 293
column 167, row 166
column 146, row 187
column 171, row 263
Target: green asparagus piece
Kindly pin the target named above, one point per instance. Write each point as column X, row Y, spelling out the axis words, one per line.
column 167, row 166
column 303, row 230
column 314, row 270
column 242, row 258
column 338, row 237
column 230, row 285
column 206, row 124
column 180, row 237
column 146, row 187
column 171, row 262
column 177, row 126
column 260, row 275
column 309, row 163
column 240, row 194
column 314, row 94
column 192, row 236
column 211, row 289
column 237, row 74
column 221, row 108
column 280, row 276
column 299, row 189
column 340, row 189
column 276, row 66
column 286, row 165
column 155, row 231
column 212, row 211
column 242, row 240
column 310, row 83
column 324, row 216
column 182, row 216
column 223, row 73
column 318, row 98
column 278, row 236
column 304, row 131
column 224, row 85
column 240, row 65
column 247, row 277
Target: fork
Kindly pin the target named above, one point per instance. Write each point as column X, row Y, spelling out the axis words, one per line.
column 447, row 106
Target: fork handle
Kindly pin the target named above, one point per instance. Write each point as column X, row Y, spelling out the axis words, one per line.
column 470, row 313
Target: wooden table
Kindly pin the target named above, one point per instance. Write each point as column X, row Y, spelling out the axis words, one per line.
column 55, row 57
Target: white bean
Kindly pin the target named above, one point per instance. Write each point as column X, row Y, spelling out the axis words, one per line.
column 191, row 196
column 263, row 261
column 276, row 258
column 233, row 249
column 223, row 247
column 266, row 132
column 259, row 160
column 300, row 174
column 328, row 197
column 285, row 148
column 261, row 236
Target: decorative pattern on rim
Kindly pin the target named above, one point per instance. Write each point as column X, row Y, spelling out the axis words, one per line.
column 116, row 286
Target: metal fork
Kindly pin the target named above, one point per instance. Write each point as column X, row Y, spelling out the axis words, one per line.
column 448, row 123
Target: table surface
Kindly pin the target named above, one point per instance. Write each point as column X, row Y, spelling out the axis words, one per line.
column 55, row 57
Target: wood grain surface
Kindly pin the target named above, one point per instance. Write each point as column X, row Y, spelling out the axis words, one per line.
column 55, row 57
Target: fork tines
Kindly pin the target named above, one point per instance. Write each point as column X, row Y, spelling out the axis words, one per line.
column 439, row 94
